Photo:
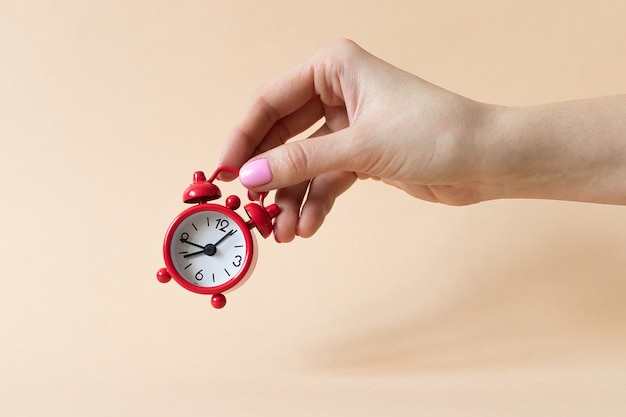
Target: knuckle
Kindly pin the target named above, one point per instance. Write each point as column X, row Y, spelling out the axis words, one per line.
column 346, row 45
column 296, row 160
column 282, row 132
column 268, row 112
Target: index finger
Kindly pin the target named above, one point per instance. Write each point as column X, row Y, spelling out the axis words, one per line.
column 272, row 102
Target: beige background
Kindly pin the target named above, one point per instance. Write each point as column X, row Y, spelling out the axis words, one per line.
column 397, row 307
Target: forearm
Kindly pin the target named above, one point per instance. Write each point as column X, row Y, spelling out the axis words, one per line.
column 566, row 151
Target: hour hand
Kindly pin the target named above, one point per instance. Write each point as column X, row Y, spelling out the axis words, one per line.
column 188, row 255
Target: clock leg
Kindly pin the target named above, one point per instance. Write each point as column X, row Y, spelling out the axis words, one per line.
column 218, row 300
column 163, row 276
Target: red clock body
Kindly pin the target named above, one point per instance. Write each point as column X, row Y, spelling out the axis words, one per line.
column 210, row 249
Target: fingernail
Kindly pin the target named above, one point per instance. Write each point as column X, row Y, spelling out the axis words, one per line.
column 255, row 173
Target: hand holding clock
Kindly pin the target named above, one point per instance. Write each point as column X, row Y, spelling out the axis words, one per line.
column 383, row 123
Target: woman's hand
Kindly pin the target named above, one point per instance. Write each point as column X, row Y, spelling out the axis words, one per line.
column 383, row 123
column 379, row 122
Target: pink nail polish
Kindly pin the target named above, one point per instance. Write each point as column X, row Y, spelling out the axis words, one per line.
column 255, row 173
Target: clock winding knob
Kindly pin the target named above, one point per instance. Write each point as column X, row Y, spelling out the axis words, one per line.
column 233, row 202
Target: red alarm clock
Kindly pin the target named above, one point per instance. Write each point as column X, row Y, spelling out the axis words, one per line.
column 209, row 248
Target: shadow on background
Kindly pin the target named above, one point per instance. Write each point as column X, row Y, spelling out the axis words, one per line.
column 564, row 301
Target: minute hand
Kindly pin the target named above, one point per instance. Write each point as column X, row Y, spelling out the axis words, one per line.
column 192, row 244
column 232, row 232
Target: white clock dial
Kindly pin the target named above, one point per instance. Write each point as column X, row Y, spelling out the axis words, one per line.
column 208, row 248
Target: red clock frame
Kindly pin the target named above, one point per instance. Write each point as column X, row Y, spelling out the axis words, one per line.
column 250, row 254
column 199, row 193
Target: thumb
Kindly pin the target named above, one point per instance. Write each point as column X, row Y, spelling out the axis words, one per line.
column 296, row 162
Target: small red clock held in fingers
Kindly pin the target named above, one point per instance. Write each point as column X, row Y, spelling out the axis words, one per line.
column 209, row 248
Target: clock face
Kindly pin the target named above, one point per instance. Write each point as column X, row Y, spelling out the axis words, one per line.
column 210, row 248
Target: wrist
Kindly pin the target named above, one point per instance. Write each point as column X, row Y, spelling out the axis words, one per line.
column 482, row 172
column 516, row 160
column 565, row 151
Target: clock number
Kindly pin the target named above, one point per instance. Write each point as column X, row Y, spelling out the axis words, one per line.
column 222, row 224
column 199, row 275
column 184, row 237
column 237, row 261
